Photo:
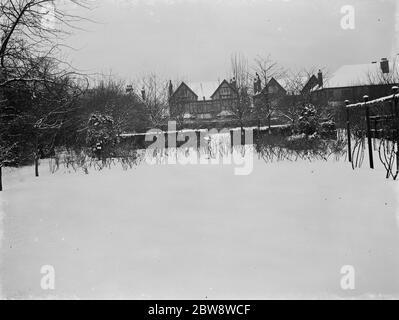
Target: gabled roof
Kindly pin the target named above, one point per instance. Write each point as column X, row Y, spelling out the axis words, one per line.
column 350, row 75
column 223, row 82
column 311, row 84
column 360, row 74
column 273, row 80
column 183, row 84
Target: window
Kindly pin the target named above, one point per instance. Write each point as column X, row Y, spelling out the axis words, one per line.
column 225, row 93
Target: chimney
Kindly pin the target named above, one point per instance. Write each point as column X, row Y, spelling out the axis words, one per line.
column 384, row 65
column 170, row 89
column 320, row 79
column 257, row 84
column 234, row 82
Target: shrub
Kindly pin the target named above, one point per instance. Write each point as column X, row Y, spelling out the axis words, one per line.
column 312, row 122
column 102, row 135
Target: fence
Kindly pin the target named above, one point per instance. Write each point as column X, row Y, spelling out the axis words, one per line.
column 377, row 122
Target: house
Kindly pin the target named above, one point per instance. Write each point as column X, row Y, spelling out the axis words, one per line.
column 183, row 94
column 312, row 83
column 275, row 89
column 203, row 101
column 273, row 95
column 352, row 82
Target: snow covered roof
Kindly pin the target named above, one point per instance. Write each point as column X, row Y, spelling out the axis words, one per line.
column 358, row 74
column 204, row 88
column 350, row 75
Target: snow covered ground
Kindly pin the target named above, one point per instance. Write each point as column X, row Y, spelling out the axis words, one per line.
column 199, row 231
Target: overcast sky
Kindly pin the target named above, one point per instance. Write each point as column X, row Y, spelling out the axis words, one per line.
column 194, row 39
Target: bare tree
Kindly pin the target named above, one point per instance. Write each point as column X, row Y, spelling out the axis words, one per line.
column 31, row 29
column 379, row 77
column 54, row 102
column 299, row 86
column 30, row 32
column 40, row 109
column 179, row 114
column 266, row 104
column 242, row 109
column 268, row 68
column 296, row 81
column 7, row 155
column 154, row 94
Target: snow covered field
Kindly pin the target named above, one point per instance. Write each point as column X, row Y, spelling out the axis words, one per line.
column 199, row 231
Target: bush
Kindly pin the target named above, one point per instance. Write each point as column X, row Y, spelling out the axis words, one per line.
column 307, row 121
column 312, row 122
column 102, row 135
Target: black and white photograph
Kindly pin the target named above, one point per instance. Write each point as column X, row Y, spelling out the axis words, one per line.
column 200, row 150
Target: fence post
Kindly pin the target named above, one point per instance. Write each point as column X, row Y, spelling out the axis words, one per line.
column 395, row 104
column 369, row 142
column 198, row 133
column 375, row 135
column 348, row 131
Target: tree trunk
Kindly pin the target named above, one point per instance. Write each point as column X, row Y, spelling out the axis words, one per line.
column 36, row 166
column 242, row 131
column 270, row 123
column 1, row 178
column 37, row 156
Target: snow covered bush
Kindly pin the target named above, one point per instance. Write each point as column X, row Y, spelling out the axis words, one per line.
column 313, row 123
column 327, row 126
column 102, row 135
column 308, row 120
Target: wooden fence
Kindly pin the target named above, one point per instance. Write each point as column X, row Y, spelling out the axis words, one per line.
column 379, row 120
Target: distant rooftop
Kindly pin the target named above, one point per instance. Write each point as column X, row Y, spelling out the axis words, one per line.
column 289, row 84
column 284, row 82
column 359, row 74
